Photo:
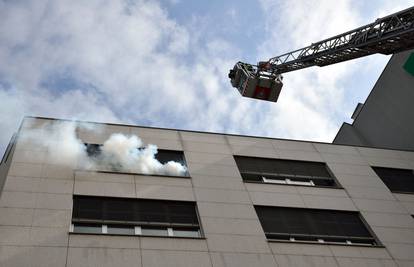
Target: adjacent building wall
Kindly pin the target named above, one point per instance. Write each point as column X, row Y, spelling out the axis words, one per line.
column 387, row 117
column 5, row 162
column 36, row 205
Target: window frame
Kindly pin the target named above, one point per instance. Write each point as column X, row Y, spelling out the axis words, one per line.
column 294, row 180
column 137, row 225
column 375, row 242
column 393, row 168
column 184, row 161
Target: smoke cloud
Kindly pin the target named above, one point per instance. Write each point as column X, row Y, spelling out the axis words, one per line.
column 119, row 152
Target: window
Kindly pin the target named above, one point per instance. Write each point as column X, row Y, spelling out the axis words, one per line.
column 122, row 216
column 163, row 155
column 397, row 180
column 93, row 150
column 323, row 226
column 279, row 171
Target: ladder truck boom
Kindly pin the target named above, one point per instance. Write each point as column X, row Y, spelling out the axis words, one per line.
column 391, row 34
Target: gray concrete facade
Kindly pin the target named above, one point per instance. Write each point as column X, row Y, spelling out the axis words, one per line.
column 387, row 116
column 36, row 205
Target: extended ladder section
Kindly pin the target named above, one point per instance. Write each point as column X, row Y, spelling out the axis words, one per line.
column 387, row 35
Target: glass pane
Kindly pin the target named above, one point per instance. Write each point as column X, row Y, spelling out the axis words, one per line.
column 87, row 228
column 155, row 231
column 312, row 223
column 121, row 230
column 187, row 232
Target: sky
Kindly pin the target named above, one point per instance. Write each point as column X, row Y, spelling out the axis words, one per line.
column 165, row 63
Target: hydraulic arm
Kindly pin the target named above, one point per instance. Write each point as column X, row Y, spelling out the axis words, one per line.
column 387, row 35
column 391, row 34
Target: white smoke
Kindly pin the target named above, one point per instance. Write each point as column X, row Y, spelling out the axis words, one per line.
column 59, row 140
column 119, row 152
column 122, row 151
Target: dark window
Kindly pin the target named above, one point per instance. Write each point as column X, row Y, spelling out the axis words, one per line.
column 135, row 216
column 93, row 150
column 278, row 171
column 163, row 155
column 295, row 224
column 397, row 180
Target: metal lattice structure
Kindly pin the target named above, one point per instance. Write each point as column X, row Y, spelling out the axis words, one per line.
column 387, row 35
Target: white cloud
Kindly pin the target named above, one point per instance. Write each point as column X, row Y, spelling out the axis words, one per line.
column 232, row 13
column 295, row 24
column 314, row 101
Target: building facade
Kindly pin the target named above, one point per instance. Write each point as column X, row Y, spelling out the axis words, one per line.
column 386, row 118
column 242, row 202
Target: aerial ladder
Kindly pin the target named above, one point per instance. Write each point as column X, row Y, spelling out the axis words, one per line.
column 388, row 35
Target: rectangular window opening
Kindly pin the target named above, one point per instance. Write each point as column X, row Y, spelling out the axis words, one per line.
column 313, row 225
column 397, row 180
column 123, row 216
column 163, row 156
column 285, row 172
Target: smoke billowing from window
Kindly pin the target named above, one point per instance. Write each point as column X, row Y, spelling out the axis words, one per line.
column 119, row 152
